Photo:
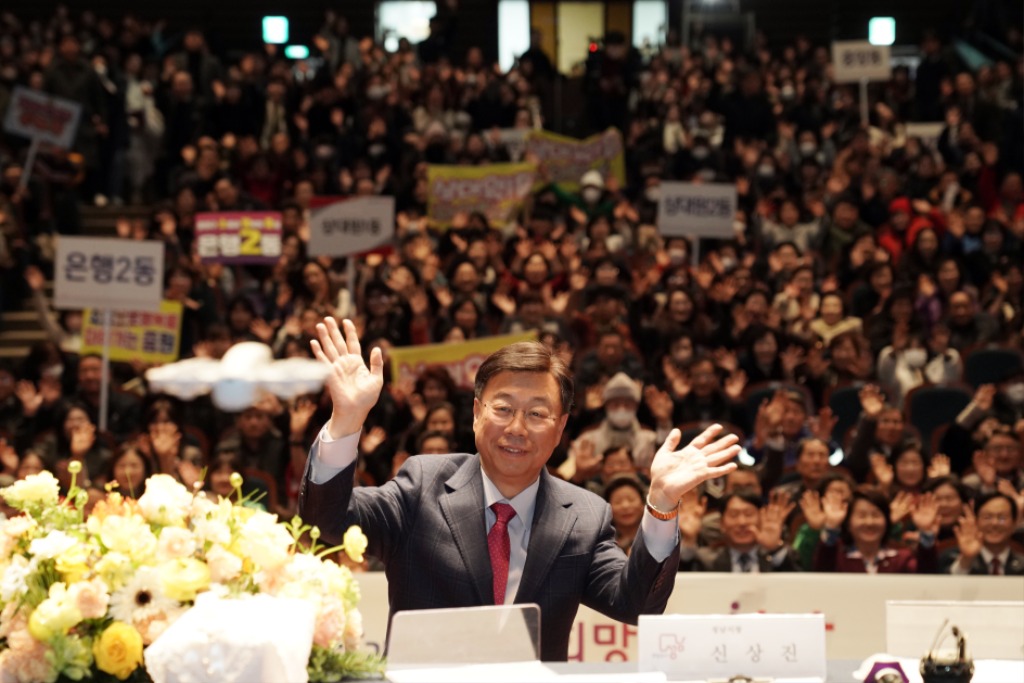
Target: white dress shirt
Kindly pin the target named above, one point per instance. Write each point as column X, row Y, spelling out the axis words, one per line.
column 334, row 455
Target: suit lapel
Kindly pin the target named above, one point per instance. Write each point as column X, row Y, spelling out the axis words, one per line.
column 463, row 509
column 723, row 561
column 553, row 519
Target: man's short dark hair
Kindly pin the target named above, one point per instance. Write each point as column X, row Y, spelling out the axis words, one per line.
column 745, row 496
column 625, row 479
column 527, row 356
column 986, row 498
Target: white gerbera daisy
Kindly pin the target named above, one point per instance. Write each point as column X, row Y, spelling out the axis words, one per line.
column 141, row 599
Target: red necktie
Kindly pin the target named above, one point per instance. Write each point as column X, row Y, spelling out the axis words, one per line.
column 500, row 548
column 997, row 567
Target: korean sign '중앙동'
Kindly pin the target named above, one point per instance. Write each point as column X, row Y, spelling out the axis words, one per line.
column 856, row 60
column 239, row 236
column 102, row 272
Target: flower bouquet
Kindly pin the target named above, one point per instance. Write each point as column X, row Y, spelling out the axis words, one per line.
column 83, row 597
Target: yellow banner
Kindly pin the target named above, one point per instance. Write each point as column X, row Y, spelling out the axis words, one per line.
column 496, row 190
column 461, row 360
column 136, row 335
column 565, row 160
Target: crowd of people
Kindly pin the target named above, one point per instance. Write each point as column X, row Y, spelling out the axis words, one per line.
column 863, row 257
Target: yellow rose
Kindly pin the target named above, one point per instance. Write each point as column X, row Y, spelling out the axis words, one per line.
column 55, row 615
column 118, row 650
column 181, row 579
column 115, row 569
column 73, row 563
column 355, row 543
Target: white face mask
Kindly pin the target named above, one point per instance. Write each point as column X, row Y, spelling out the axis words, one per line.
column 808, row 148
column 1015, row 392
column 621, row 418
column 915, row 358
column 701, row 152
column 591, row 194
column 676, row 256
column 653, row 194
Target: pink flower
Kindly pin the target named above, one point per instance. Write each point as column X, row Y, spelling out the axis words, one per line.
column 25, row 661
column 90, row 597
column 175, row 543
column 224, row 565
column 330, row 623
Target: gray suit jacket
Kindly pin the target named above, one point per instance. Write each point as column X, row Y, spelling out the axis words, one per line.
column 427, row 525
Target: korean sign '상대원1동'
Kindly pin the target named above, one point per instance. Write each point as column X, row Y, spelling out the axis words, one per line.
column 697, row 210
column 351, row 226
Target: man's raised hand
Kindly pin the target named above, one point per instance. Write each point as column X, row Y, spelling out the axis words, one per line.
column 673, row 472
column 354, row 387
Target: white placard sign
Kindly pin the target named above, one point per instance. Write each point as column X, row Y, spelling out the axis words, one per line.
column 928, row 132
column 857, row 60
column 994, row 630
column 697, row 210
column 43, row 117
column 352, row 226
column 103, row 272
column 688, row 647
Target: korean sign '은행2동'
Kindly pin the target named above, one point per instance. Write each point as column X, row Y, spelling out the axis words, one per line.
column 103, row 272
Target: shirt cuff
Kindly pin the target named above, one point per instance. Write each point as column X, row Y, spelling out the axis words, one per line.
column 957, row 570
column 331, row 456
column 661, row 536
column 776, row 558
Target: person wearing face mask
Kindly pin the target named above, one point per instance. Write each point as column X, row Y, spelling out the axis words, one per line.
column 620, row 427
column 593, row 199
column 901, row 365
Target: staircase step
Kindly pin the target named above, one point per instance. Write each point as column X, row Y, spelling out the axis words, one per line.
column 20, row 320
column 22, row 337
column 14, row 352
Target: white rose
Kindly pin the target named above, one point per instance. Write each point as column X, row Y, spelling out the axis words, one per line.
column 42, row 488
column 265, row 541
column 224, row 565
column 51, row 545
column 14, row 582
column 211, row 531
column 165, row 501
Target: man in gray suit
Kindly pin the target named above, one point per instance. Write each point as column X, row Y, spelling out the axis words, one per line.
column 491, row 528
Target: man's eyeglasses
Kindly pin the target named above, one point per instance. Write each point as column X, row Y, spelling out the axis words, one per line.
column 536, row 419
column 1001, row 519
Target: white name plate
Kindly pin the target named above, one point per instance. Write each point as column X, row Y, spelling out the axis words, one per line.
column 777, row 646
